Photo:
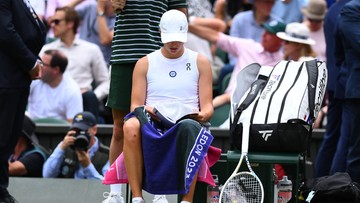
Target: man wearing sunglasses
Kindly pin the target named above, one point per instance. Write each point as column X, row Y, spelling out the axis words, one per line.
column 86, row 62
column 22, row 34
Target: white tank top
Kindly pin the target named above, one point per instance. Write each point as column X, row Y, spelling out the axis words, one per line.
column 173, row 80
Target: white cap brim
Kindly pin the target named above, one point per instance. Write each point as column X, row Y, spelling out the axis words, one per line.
column 173, row 37
column 286, row 37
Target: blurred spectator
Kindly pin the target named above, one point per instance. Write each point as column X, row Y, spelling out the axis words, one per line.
column 247, row 51
column 200, row 12
column 79, row 155
column 86, row 62
column 56, row 95
column 314, row 16
column 248, row 25
column 227, row 9
column 29, row 156
column 289, row 10
column 297, row 42
column 97, row 24
column 51, row 7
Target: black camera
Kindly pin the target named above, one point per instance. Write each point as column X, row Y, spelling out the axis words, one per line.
column 82, row 140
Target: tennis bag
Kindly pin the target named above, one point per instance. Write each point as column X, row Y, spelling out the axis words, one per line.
column 335, row 188
column 281, row 106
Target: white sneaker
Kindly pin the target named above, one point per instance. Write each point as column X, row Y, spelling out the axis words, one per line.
column 137, row 200
column 113, row 197
column 160, row 199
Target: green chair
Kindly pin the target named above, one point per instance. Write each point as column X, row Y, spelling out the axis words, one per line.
column 220, row 115
column 225, row 83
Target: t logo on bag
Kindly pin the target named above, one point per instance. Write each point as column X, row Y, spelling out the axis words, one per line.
column 265, row 134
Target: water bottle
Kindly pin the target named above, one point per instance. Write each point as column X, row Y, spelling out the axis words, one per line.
column 213, row 192
column 284, row 190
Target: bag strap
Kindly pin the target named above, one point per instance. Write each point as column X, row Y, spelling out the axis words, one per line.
column 312, row 70
column 257, row 86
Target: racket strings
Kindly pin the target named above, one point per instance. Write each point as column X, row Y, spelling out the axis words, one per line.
column 242, row 188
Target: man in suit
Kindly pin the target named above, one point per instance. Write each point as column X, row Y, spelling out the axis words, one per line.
column 349, row 43
column 22, row 35
column 331, row 156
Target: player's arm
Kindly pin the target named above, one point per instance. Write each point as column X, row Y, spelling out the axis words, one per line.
column 138, row 92
column 205, row 89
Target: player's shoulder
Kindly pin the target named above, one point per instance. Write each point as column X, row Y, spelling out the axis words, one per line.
column 202, row 59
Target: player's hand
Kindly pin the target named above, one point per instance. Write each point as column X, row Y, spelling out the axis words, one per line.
column 36, row 72
column 68, row 140
column 200, row 117
column 151, row 111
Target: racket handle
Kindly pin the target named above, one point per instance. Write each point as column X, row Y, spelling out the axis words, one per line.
column 245, row 137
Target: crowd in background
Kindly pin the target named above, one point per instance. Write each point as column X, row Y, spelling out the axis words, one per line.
column 242, row 19
column 230, row 33
column 85, row 47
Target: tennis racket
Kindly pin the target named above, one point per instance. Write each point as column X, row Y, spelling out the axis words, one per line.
column 243, row 187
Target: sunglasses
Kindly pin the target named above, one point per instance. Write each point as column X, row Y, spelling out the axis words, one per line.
column 56, row 21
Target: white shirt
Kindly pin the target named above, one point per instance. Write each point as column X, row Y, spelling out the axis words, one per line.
column 61, row 102
column 39, row 6
column 86, row 64
column 173, row 80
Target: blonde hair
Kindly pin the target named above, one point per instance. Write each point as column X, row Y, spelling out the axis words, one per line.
column 305, row 51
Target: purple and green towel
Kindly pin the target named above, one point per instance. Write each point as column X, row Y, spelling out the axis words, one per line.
column 171, row 157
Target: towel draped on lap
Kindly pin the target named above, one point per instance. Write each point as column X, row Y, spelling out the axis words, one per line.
column 172, row 158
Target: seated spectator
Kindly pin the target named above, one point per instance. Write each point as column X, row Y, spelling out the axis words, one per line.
column 86, row 62
column 79, row 155
column 51, row 6
column 29, row 156
column 97, row 24
column 297, row 42
column 247, row 51
column 314, row 19
column 56, row 95
column 248, row 25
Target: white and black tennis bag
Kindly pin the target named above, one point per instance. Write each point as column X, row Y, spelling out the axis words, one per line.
column 281, row 106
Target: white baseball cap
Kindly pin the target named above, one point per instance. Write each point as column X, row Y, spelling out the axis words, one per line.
column 173, row 26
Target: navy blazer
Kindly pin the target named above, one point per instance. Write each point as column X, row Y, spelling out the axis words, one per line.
column 349, row 28
column 330, row 22
column 21, row 39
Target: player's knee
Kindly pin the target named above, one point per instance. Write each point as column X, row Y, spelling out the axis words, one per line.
column 132, row 130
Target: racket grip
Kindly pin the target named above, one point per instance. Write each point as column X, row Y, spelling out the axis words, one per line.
column 245, row 137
